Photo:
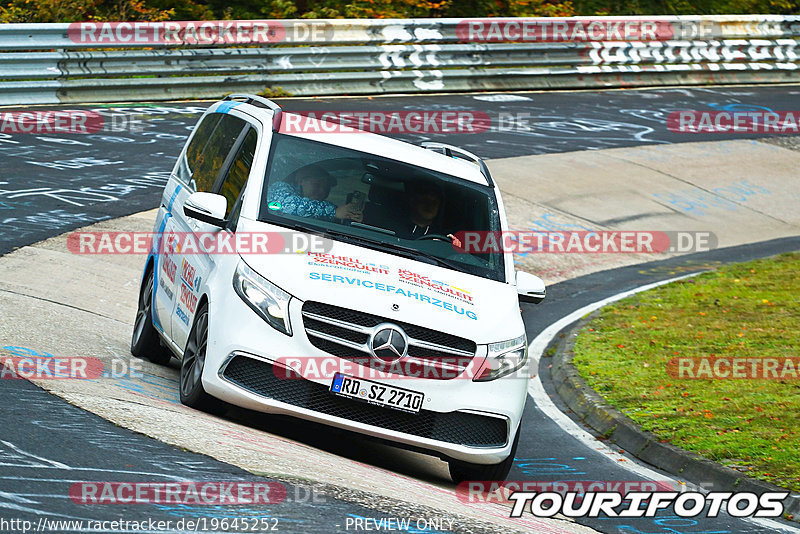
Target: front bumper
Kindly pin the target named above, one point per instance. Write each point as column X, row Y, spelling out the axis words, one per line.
column 461, row 419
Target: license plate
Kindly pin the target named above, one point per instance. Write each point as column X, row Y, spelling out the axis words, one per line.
column 376, row 393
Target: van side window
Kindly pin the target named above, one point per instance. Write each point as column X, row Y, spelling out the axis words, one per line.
column 206, row 159
column 233, row 184
column 196, row 146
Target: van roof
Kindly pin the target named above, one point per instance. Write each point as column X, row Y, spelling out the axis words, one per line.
column 375, row 144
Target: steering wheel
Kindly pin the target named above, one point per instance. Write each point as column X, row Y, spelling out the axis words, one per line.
column 437, row 237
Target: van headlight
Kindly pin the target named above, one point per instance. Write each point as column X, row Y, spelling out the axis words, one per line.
column 264, row 297
column 503, row 359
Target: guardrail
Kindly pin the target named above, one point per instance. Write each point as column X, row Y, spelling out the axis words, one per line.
column 106, row 62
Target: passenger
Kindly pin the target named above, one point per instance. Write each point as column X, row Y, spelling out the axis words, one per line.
column 304, row 194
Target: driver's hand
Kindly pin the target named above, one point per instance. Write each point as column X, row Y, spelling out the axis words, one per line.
column 350, row 211
column 456, row 241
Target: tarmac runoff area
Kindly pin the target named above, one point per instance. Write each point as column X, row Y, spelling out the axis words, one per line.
column 741, row 191
column 72, row 305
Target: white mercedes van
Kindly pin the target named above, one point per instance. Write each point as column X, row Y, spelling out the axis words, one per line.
column 390, row 329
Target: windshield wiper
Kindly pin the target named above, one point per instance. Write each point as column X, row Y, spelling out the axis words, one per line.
column 415, row 254
column 408, row 252
column 303, row 228
column 373, row 228
column 344, row 236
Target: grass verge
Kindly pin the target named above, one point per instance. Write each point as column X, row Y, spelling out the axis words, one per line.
column 749, row 310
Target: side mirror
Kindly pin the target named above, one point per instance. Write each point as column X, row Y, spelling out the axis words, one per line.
column 530, row 288
column 207, row 207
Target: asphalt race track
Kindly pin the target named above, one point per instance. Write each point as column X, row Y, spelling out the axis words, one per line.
column 51, row 185
column 55, row 445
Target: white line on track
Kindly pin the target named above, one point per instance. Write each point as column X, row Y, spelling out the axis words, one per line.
column 546, row 405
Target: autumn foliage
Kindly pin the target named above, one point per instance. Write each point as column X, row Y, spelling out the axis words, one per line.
column 157, row 10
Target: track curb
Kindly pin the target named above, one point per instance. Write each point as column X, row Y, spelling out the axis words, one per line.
column 612, row 424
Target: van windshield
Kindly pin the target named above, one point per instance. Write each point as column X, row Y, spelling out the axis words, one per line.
column 380, row 203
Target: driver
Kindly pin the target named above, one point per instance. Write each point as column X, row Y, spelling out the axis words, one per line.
column 424, row 202
column 305, row 195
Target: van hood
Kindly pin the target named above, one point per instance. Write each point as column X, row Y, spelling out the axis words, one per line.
column 394, row 287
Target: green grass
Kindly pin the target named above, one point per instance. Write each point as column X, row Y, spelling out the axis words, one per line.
column 744, row 310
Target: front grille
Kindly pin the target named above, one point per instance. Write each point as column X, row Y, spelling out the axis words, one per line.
column 460, row 428
column 333, row 330
column 345, row 333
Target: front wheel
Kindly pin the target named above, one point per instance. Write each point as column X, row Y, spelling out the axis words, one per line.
column 194, row 359
column 145, row 342
column 462, row 471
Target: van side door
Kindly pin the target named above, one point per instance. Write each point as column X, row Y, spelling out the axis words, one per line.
column 221, row 166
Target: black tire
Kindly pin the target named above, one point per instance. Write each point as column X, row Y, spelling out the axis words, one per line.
column 145, row 341
column 191, row 384
column 463, row 471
